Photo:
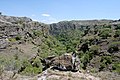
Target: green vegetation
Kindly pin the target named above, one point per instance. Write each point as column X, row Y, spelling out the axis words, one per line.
column 105, row 61
column 117, row 33
column 95, row 49
column 113, row 47
column 14, row 39
column 37, row 33
column 105, row 33
column 18, row 37
column 32, row 69
column 117, row 27
column 116, row 67
column 70, row 39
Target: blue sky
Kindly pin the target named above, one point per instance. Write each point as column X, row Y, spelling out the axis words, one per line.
column 49, row 11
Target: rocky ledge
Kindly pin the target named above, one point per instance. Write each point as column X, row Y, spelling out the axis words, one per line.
column 51, row 75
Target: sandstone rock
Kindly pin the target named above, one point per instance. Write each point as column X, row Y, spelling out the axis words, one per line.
column 3, row 43
column 62, row 75
column 63, row 26
column 65, row 62
column 50, row 75
column 14, row 19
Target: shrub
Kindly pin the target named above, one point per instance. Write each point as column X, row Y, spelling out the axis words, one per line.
column 37, row 63
column 12, row 39
column 18, row 38
column 117, row 27
column 113, row 47
column 31, row 69
column 95, row 49
column 116, row 67
column 84, row 47
column 117, row 33
column 86, row 57
column 37, row 33
column 104, row 33
column 105, row 60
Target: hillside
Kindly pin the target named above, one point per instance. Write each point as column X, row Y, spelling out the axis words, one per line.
column 25, row 44
column 97, row 42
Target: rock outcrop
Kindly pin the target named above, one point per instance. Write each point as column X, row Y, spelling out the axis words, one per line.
column 13, row 19
column 18, row 27
column 63, row 26
column 65, row 62
column 50, row 75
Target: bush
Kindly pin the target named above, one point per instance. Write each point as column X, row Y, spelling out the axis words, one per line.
column 117, row 33
column 37, row 63
column 15, row 39
column 105, row 61
column 37, row 33
column 86, row 57
column 95, row 49
column 113, row 47
column 117, row 27
column 12, row 39
column 31, row 69
column 84, row 47
column 18, row 38
column 104, row 33
column 116, row 67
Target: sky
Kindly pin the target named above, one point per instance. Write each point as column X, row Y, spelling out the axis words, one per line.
column 51, row 11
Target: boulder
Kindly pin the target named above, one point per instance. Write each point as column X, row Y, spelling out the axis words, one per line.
column 65, row 62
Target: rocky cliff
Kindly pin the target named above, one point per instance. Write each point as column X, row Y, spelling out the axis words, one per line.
column 17, row 27
column 80, row 24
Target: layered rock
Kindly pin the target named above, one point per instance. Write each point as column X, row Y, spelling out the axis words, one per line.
column 63, row 26
column 65, row 62
column 18, row 27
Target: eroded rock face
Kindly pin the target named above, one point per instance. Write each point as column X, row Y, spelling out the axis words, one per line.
column 3, row 43
column 14, row 19
column 18, row 27
column 65, row 62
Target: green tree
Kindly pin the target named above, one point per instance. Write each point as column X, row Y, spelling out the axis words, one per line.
column 104, row 33
column 114, row 46
column 117, row 33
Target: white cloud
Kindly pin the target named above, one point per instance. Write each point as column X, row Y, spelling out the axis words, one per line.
column 47, row 18
column 46, row 15
column 50, row 20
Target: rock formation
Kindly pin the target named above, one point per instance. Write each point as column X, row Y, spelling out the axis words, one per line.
column 65, row 62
